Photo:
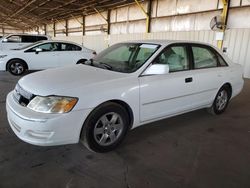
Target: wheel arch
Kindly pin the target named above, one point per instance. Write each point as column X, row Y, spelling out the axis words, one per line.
column 26, row 65
column 117, row 101
column 229, row 86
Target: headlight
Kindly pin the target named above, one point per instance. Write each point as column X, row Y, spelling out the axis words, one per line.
column 2, row 56
column 52, row 104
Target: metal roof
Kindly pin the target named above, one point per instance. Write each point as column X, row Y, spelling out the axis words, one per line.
column 24, row 14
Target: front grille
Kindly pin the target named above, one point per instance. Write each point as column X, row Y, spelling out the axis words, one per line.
column 21, row 96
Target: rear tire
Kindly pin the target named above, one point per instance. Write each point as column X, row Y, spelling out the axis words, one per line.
column 105, row 128
column 16, row 67
column 221, row 101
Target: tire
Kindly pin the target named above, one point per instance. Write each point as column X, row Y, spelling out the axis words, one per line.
column 16, row 67
column 81, row 61
column 105, row 128
column 221, row 101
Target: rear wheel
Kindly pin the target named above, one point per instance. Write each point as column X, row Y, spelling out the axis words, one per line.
column 16, row 67
column 105, row 128
column 221, row 101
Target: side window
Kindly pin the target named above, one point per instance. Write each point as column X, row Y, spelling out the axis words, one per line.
column 203, row 57
column 176, row 57
column 48, row 47
column 14, row 39
column 144, row 53
column 28, row 39
column 221, row 61
column 38, row 38
column 70, row 47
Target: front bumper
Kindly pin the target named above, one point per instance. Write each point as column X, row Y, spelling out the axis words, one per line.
column 44, row 129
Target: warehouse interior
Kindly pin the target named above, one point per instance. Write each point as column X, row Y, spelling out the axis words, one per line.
column 99, row 24
column 190, row 151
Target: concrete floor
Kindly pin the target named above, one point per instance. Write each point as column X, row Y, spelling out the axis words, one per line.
column 194, row 150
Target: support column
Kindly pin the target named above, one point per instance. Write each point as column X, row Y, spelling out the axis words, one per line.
column 83, row 25
column 54, row 29
column 147, row 14
column 66, row 27
column 108, row 22
column 45, row 29
column 224, row 15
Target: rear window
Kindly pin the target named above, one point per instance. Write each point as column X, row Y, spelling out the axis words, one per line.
column 70, row 47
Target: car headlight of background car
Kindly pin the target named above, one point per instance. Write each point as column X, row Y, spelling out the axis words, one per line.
column 2, row 56
column 52, row 104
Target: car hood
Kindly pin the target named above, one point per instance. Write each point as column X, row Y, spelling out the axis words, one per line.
column 59, row 80
column 9, row 52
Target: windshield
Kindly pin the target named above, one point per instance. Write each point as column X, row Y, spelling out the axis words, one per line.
column 124, row 57
column 29, row 45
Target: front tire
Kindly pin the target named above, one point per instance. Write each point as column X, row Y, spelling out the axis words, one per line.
column 105, row 128
column 16, row 67
column 221, row 101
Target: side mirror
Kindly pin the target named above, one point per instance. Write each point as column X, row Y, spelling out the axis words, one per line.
column 157, row 69
column 38, row 50
column 5, row 40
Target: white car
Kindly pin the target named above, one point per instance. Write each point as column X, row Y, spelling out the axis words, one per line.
column 12, row 41
column 125, row 86
column 43, row 55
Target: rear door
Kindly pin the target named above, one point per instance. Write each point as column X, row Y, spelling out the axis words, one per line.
column 69, row 54
column 208, row 73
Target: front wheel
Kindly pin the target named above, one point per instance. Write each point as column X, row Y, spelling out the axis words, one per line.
column 221, row 101
column 16, row 67
column 105, row 128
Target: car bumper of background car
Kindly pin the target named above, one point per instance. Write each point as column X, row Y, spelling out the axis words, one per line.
column 44, row 129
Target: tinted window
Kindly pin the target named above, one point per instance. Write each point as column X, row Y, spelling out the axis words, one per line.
column 203, row 57
column 14, row 39
column 46, row 47
column 38, row 38
column 29, row 39
column 70, row 47
column 176, row 57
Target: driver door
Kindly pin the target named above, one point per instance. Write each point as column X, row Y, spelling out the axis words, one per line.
column 167, row 94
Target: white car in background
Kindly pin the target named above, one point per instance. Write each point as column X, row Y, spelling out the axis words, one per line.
column 12, row 41
column 43, row 55
column 125, row 86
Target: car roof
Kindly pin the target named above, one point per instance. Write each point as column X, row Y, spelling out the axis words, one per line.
column 25, row 34
column 166, row 42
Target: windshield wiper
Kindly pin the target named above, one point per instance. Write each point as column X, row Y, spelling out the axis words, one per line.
column 109, row 67
column 98, row 64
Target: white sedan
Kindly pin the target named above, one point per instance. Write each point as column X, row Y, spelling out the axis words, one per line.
column 125, row 86
column 43, row 55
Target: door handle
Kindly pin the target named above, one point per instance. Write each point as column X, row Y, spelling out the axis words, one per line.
column 188, row 80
